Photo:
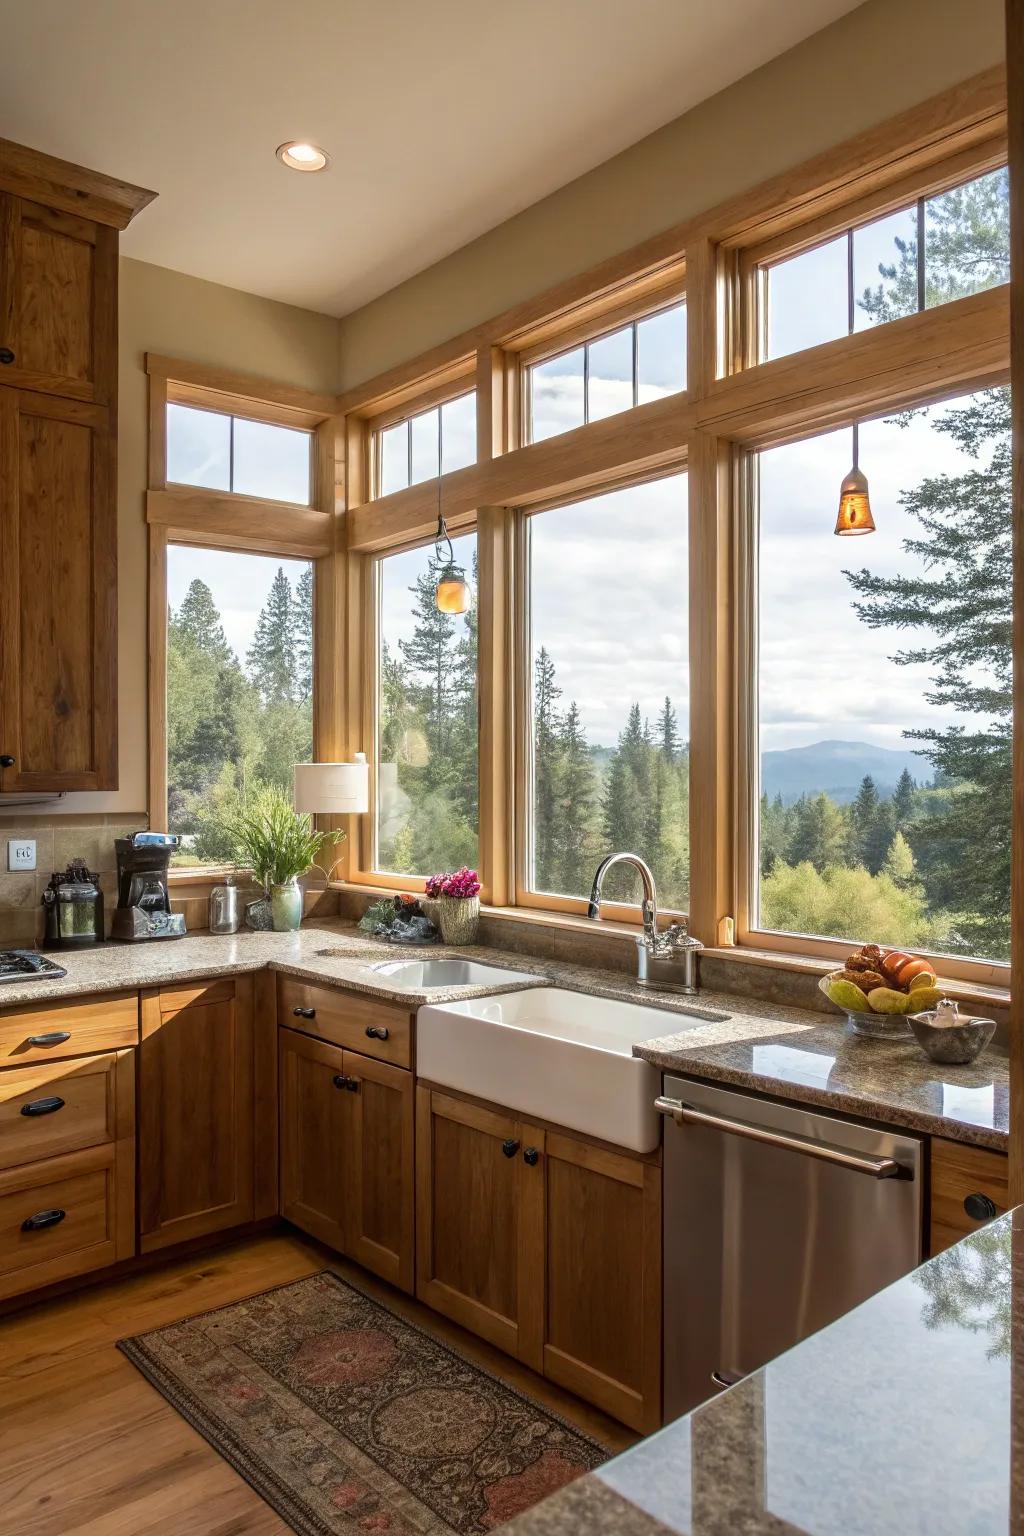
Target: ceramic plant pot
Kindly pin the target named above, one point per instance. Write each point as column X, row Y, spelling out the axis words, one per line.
column 458, row 917
column 286, row 906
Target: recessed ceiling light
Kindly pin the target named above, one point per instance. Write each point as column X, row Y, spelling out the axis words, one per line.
column 298, row 155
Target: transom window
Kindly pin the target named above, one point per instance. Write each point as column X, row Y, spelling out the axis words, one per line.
column 937, row 249
column 222, row 452
column 644, row 360
column 426, row 445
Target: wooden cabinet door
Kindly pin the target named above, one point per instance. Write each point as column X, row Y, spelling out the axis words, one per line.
column 58, row 302
column 195, row 1111
column 602, row 1336
column 480, row 1221
column 969, row 1187
column 379, row 1172
column 315, row 1111
column 58, row 618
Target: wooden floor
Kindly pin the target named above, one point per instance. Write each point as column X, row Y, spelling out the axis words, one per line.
column 88, row 1448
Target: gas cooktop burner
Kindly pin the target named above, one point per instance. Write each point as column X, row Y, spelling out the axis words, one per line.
column 27, row 965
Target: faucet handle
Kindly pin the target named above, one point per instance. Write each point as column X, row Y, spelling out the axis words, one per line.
column 678, row 936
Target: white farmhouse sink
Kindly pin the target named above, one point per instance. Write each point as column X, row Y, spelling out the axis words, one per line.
column 421, row 975
column 557, row 1055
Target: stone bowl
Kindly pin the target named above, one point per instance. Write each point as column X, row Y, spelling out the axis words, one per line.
column 951, row 1044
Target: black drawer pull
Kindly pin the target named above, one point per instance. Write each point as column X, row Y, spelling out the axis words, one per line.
column 43, row 1106
column 339, row 1080
column 55, row 1037
column 6, row 760
column 6, row 355
column 41, row 1220
column 510, row 1147
column 980, row 1207
column 376, row 1032
column 304, row 1013
column 352, row 1084
column 531, row 1156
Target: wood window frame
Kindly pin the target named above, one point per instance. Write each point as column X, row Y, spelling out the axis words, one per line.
column 225, row 520
column 731, row 408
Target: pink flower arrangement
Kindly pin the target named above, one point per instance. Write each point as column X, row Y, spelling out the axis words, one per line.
column 463, row 884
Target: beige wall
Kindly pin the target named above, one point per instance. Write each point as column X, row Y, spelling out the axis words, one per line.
column 878, row 60
column 164, row 311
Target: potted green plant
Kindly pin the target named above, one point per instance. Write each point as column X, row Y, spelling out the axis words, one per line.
column 278, row 844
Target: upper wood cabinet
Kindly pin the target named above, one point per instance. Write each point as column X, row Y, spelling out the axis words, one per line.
column 58, row 513
column 58, row 302
column 196, row 1111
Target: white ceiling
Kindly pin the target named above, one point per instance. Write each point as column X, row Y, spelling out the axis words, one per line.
column 442, row 117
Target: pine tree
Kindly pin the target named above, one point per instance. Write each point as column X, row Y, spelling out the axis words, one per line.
column 432, row 665
column 574, row 847
column 820, row 833
column 198, row 622
column 878, row 838
column 271, row 657
column 302, row 620
column 668, row 732
column 903, row 798
column 547, row 727
column 863, row 813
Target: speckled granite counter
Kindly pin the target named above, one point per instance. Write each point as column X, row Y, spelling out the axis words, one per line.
column 788, row 1052
column 901, row 1417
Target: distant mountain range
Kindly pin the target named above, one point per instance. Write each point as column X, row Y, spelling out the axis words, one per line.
column 837, row 767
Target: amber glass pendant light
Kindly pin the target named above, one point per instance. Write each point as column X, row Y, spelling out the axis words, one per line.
column 452, row 594
column 854, row 506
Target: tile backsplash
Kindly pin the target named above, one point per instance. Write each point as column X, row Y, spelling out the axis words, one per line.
column 58, row 840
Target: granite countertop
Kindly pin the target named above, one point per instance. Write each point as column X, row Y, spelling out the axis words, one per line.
column 900, row 1417
column 789, row 1052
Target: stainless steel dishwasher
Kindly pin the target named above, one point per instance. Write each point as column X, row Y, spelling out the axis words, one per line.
column 777, row 1220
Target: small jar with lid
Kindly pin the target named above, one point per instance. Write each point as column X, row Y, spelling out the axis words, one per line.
column 225, row 909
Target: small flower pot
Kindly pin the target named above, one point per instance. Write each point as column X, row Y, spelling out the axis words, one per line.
column 458, row 918
column 286, row 906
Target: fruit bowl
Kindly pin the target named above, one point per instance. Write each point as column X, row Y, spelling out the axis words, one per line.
column 877, row 989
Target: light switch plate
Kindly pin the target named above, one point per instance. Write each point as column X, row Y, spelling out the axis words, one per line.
column 21, row 853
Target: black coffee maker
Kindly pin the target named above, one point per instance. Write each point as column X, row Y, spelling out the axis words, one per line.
column 143, row 898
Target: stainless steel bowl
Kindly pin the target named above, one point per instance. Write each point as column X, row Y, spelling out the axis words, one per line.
column 951, row 1044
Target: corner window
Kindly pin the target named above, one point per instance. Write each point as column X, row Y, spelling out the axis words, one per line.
column 427, row 791
column 639, row 362
column 426, row 445
column 938, row 249
column 239, row 687
column 233, row 453
column 609, row 763
column 883, row 695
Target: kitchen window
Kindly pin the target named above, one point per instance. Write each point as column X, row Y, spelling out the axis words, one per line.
column 882, row 698
column 426, row 800
column 239, row 687
column 937, row 249
column 629, row 366
column 431, row 443
column 223, row 452
column 606, row 705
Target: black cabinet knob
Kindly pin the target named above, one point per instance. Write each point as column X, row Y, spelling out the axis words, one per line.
column 6, row 355
column 6, row 760
column 510, row 1147
column 42, row 1219
column 304, row 1013
column 376, row 1032
column 531, row 1156
column 979, row 1207
column 47, row 1106
column 339, row 1081
column 352, row 1084
column 55, row 1037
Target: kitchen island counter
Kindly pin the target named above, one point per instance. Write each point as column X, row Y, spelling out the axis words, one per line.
column 899, row 1417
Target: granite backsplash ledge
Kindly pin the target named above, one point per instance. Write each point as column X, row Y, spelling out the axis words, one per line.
column 58, row 840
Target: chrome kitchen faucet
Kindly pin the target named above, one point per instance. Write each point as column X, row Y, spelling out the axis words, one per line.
column 665, row 961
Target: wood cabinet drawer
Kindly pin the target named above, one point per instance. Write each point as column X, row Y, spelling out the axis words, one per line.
column 59, row 1107
column 52, row 1031
column 364, row 1024
column 65, row 1216
column 969, row 1188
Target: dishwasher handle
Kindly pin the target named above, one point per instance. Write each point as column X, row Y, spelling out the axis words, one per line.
column 854, row 1162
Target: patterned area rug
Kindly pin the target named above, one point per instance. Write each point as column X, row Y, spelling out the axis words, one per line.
column 347, row 1418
